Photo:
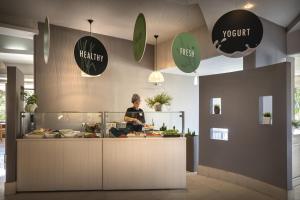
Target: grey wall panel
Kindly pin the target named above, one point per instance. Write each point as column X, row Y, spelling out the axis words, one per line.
column 273, row 47
column 254, row 150
column 293, row 42
column 14, row 105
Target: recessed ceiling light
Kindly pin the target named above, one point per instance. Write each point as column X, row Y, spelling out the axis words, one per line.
column 248, row 5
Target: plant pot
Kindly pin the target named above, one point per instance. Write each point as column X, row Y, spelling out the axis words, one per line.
column 267, row 120
column 216, row 110
column 192, row 150
column 158, row 107
column 31, row 107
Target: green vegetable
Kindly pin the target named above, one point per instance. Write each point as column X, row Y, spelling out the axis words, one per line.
column 189, row 133
column 171, row 132
column 163, row 128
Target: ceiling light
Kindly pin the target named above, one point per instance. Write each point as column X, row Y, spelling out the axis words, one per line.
column 16, row 47
column 248, row 5
column 156, row 77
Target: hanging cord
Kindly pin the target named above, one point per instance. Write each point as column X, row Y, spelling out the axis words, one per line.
column 90, row 21
column 155, row 67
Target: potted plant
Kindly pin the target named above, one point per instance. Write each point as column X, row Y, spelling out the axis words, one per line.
column 158, row 101
column 296, row 126
column 192, row 149
column 217, row 109
column 267, row 118
column 31, row 103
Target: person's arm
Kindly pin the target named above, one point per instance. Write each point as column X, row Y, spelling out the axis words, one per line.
column 143, row 118
column 129, row 119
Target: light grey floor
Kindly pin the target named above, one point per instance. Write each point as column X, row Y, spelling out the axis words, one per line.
column 199, row 187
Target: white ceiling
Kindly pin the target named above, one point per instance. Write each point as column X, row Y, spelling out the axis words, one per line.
column 116, row 18
column 281, row 12
column 216, row 65
column 112, row 17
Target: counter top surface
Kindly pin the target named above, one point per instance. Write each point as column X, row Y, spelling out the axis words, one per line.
column 95, row 139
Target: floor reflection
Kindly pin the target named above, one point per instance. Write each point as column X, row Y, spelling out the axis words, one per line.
column 2, row 162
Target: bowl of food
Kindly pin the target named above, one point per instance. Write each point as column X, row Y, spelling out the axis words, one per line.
column 67, row 133
column 50, row 134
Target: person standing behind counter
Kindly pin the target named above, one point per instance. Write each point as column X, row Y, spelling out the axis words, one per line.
column 134, row 115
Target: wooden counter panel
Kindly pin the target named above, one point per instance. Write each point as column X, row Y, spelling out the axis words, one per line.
column 157, row 163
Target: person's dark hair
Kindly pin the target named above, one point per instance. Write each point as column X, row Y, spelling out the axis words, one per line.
column 135, row 97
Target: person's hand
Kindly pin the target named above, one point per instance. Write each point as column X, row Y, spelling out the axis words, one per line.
column 137, row 121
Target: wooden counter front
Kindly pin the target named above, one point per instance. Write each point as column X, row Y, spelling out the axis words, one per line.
column 100, row 164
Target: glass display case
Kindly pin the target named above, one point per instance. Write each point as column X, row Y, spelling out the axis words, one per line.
column 62, row 121
column 156, row 120
column 99, row 123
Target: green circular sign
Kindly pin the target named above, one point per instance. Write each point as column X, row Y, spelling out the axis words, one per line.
column 139, row 37
column 186, row 52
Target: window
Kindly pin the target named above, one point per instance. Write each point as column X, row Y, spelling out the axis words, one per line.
column 265, row 109
column 215, row 106
column 219, row 134
column 2, row 106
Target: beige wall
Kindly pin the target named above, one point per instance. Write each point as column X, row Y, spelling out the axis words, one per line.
column 60, row 87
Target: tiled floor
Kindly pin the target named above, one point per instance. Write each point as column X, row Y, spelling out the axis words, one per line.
column 199, row 187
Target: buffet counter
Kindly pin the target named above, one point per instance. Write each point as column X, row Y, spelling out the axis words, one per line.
column 101, row 164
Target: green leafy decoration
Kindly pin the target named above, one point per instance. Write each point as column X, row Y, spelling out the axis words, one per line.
column 163, row 99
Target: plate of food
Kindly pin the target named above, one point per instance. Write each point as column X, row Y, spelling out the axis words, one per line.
column 154, row 134
column 37, row 133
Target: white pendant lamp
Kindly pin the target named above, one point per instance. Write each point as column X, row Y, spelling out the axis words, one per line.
column 156, row 77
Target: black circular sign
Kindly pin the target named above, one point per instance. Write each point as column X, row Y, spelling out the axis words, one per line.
column 237, row 33
column 90, row 55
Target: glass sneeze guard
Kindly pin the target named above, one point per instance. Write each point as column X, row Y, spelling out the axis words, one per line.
column 106, row 120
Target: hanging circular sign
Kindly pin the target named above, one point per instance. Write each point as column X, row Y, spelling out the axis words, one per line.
column 186, row 52
column 237, row 33
column 139, row 37
column 90, row 55
column 46, row 40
